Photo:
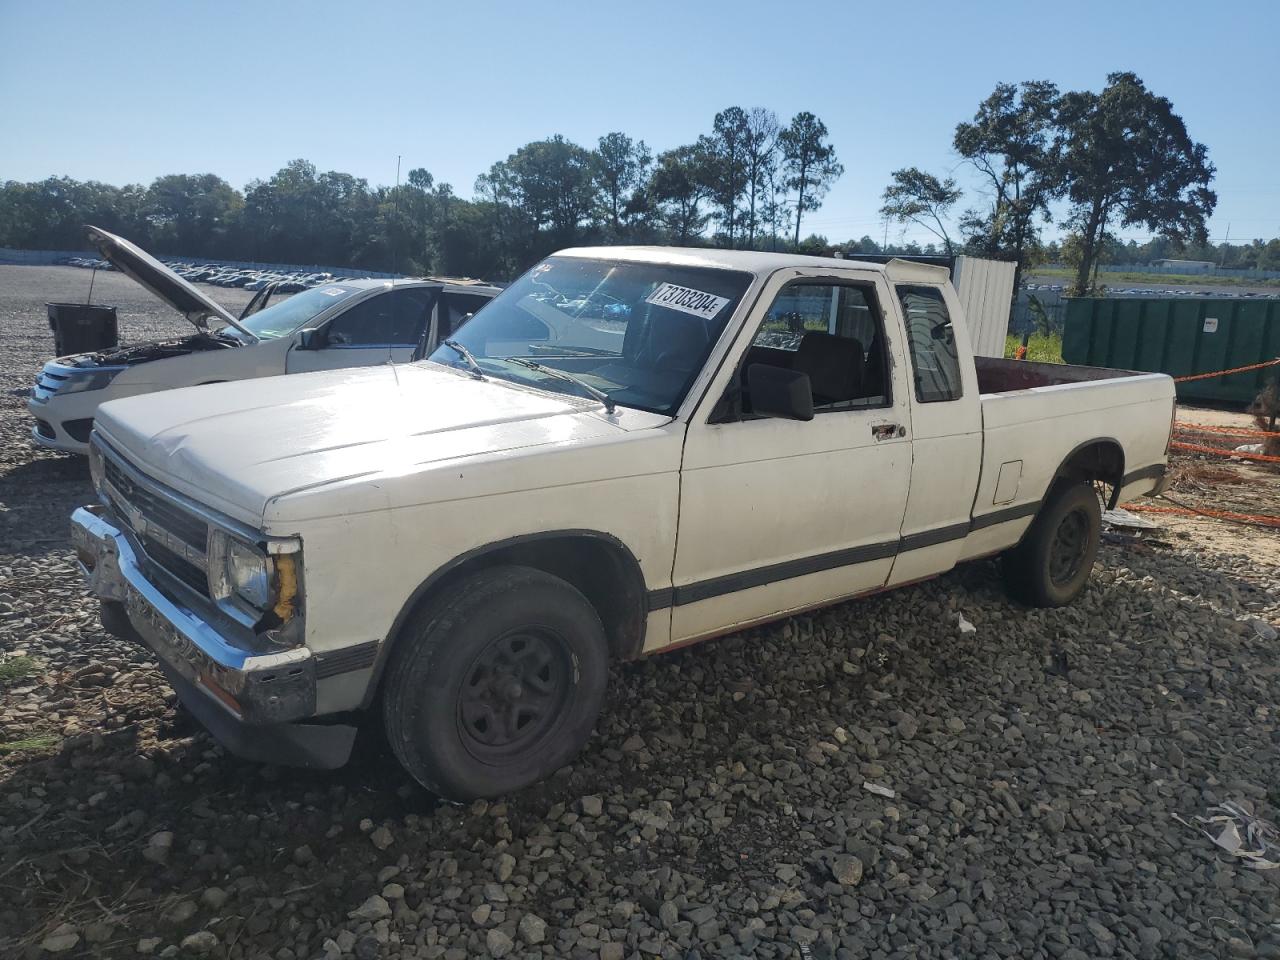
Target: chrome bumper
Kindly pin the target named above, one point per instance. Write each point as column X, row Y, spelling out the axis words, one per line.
column 249, row 688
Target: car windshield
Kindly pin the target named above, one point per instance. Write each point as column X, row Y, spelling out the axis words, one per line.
column 281, row 319
column 638, row 332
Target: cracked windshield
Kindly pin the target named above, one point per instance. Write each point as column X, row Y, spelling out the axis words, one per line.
column 635, row 333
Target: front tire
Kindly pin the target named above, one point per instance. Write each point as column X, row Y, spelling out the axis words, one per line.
column 1051, row 566
column 496, row 685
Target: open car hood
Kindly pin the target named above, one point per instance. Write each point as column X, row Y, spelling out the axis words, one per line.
column 136, row 263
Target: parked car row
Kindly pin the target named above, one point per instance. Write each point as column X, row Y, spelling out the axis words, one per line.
column 220, row 275
column 88, row 263
column 223, row 275
column 1183, row 292
column 1056, row 288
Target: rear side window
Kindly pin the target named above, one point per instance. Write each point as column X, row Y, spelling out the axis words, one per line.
column 935, row 364
column 458, row 306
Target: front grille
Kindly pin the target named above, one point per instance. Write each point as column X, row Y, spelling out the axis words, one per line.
column 172, row 538
column 180, row 567
column 189, row 529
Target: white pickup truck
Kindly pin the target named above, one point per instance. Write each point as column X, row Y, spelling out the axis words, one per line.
column 461, row 545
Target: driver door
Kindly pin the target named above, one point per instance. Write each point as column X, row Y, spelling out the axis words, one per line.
column 387, row 327
column 778, row 515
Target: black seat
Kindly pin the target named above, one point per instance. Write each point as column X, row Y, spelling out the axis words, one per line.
column 834, row 366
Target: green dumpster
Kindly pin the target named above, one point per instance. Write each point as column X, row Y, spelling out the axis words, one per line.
column 1180, row 336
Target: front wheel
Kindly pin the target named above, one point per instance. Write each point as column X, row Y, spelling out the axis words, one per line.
column 497, row 684
column 1051, row 565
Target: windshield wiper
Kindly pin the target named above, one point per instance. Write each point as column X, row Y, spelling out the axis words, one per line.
column 595, row 392
column 466, row 355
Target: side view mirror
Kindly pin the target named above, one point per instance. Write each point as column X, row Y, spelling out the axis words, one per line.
column 778, row 392
column 312, row 339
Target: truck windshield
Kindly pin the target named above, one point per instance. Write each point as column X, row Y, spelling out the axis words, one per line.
column 639, row 332
column 281, row 319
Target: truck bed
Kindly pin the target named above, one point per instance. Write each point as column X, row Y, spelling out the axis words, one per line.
column 1006, row 376
column 1035, row 415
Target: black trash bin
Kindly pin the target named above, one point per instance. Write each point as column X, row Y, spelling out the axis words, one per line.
column 82, row 328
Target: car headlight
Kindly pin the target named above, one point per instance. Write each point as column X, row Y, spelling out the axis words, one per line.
column 265, row 583
column 247, row 574
column 95, row 380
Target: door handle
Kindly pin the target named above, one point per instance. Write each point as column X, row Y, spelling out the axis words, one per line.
column 887, row 431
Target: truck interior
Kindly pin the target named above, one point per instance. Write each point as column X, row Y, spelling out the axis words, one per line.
column 830, row 332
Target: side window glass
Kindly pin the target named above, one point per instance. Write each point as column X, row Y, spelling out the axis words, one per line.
column 831, row 332
column 931, row 337
column 457, row 307
column 397, row 317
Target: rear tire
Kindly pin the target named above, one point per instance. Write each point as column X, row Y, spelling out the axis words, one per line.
column 1052, row 564
column 496, row 685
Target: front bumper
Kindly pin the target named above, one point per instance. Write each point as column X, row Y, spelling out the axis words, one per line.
column 52, row 426
column 251, row 702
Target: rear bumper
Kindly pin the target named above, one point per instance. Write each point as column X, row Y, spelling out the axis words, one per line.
column 1149, row 481
column 251, row 703
column 1162, row 484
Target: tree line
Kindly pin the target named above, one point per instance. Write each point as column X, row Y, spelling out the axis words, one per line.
column 1120, row 157
column 747, row 183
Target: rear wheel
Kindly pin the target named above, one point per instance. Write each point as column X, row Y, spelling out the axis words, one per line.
column 496, row 685
column 1051, row 565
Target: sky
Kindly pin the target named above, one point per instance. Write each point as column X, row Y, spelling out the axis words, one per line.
column 125, row 92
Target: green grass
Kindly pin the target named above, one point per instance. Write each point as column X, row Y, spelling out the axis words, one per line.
column 17, row 668
column 40, row 742
column 1107, row 277
column 1044, row 349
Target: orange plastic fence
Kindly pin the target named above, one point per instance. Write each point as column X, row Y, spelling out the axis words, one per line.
column 1262, row 519
column 1197, row 448
column 1185, row 427
column 1223, row 373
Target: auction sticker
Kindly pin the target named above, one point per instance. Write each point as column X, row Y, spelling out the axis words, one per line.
column 687, row 300
column 332, row 291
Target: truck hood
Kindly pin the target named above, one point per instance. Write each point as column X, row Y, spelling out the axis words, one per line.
column 174, row 290
column 238, row 446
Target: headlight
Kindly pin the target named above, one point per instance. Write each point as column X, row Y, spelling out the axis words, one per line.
column 263, row 583
column 247, row 575
column 238, row 571
column 95, row 380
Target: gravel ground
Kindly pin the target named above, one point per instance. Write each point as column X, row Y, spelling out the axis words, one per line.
column 730, row 804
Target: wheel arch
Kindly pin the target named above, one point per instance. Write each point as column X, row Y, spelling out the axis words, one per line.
column 1101, row 458
column 598, row 564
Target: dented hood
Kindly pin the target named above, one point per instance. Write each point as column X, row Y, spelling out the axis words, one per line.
column 174, row 290
column 239, row 446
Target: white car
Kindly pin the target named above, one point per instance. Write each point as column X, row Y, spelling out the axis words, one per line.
column 459, row 547
column 349, row 324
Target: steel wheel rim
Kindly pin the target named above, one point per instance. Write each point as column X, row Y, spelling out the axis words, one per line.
column 1070, row 543
column 514, row 693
